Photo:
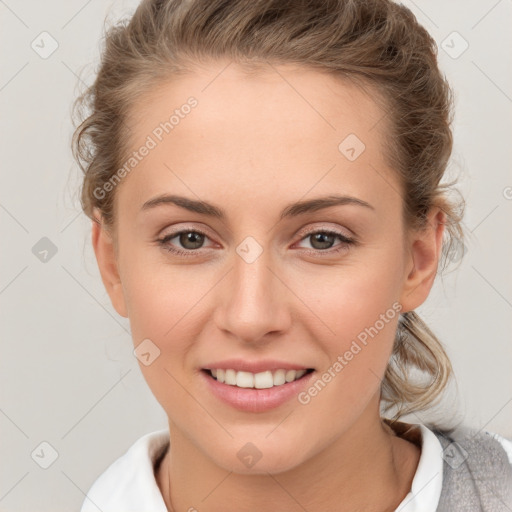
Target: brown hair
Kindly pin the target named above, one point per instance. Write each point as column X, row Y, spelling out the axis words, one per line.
column 377, row 43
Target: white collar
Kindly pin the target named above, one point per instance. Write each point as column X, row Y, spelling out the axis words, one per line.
column 129, row 484
column 428, row 479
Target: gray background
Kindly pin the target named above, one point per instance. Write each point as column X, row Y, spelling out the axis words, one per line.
column 68, row 374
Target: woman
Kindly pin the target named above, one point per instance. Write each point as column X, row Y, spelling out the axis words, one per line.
column 264, row 183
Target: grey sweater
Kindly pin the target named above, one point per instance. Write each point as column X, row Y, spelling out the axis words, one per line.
column 477, row 475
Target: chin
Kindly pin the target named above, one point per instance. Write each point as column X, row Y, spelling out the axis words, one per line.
column 259, row 457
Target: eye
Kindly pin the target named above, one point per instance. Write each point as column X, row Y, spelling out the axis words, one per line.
column 189, row 239
column 323, row 240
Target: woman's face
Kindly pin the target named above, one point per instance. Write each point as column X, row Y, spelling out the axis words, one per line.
column 260, row 282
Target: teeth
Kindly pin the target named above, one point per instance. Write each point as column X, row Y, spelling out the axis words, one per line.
column 243, row 379
column 279, row 377
column 290, row 375
column 262, row 380
column 230, row 377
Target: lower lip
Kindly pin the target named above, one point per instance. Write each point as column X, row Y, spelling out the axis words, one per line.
column 256, row 400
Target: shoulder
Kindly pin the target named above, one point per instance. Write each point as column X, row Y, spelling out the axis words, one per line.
column 505, row 443
column 475, row 448
column 129, row 483
column 480, row 442
column 477, row 469
column 444, row 481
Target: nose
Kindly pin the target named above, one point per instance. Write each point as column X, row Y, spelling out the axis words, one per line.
column 253, row 304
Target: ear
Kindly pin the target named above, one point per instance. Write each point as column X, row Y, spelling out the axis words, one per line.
column 104, row 249
column 424, row 251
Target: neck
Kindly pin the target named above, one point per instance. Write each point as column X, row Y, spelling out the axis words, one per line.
column 367, row 469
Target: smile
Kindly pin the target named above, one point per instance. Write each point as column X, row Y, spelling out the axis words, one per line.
column 261, row 380
column 259, row 391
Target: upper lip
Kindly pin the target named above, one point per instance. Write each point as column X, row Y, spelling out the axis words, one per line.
column 264, row 365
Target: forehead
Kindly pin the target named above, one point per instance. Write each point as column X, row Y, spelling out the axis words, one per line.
column 283, row 127
column 307, row 101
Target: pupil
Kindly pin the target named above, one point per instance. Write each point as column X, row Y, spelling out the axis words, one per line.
column 196, row 239
column 325, row 240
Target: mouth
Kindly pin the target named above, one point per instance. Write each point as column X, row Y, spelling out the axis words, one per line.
column 262, row 380
column 255, row 386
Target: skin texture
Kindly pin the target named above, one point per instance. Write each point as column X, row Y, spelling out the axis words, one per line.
column 254, row 144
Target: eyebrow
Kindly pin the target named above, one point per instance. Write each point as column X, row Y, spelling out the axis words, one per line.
column 292, row 210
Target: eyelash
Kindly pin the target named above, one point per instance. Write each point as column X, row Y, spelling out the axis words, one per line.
column 344, row 245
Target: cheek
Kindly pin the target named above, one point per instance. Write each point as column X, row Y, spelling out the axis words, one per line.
column 163, row 309
column 161, row 297
column 353, row 297
column 166, row 305
column 358, row 353
column 359, row 311
column 362, row 304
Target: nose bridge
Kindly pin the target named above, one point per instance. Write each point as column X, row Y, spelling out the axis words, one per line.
column 253, row 279
column 253, row 303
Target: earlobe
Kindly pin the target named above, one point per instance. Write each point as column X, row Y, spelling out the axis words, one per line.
column 425, row 248
column 108, row 265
